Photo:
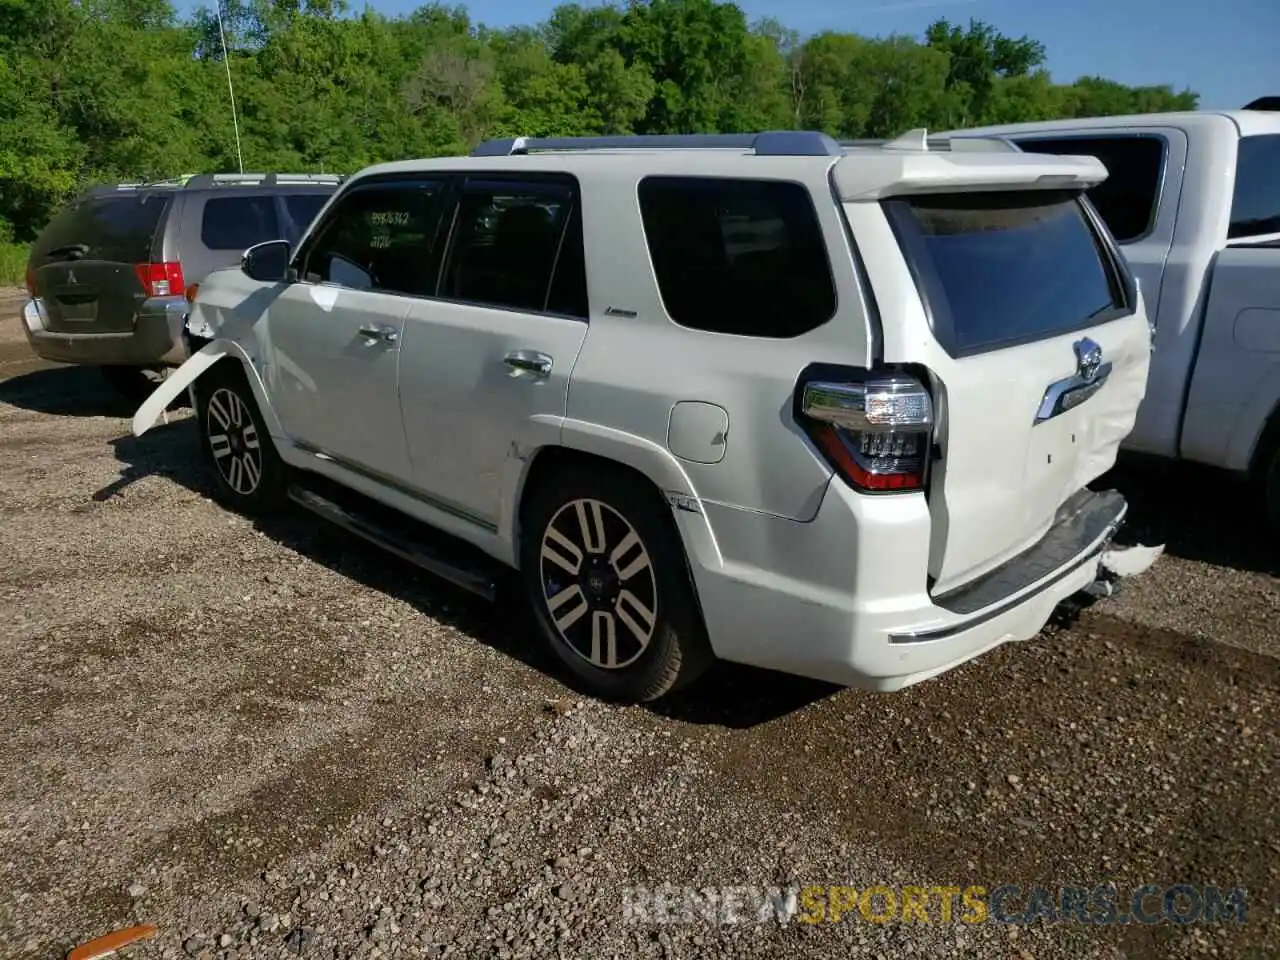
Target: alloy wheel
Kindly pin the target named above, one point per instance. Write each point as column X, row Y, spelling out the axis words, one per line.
column 598, row 583
column 233, row 440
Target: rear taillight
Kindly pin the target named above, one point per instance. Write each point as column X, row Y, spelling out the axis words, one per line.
column 31, row 281
column 877, row 433
column 160, row 279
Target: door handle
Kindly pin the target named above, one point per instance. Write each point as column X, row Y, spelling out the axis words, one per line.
column 529, row 361
column 375, row 331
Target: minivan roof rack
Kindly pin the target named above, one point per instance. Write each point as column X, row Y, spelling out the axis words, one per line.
column 772, row 143
column 196, row 181
column 260, row 179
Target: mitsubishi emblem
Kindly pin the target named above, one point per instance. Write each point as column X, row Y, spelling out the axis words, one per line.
column 71, row 276
column 1088, row 358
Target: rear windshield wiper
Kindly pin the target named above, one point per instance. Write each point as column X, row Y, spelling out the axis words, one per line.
column 72, row 251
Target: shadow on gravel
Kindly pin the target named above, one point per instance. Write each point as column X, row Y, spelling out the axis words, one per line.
column 730, row 695
column 70, row 391
column 65, row 392
column 1199, row 513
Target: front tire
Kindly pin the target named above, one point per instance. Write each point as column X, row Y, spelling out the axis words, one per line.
column 250, row 475
column 606, row 576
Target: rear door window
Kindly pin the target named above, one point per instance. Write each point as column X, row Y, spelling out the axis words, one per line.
column 1255, row 206
column 999, row 269
column 744, row 257
column 237, row 223
column 379, row 237
column 1128, row 198
column 518, row 245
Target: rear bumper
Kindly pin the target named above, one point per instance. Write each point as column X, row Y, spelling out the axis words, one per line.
column 156, row 337
column 845, row 598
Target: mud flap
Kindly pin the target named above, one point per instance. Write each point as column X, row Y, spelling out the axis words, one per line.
column 153, row 408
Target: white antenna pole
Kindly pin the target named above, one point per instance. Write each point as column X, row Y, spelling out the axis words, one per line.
column 226, row 61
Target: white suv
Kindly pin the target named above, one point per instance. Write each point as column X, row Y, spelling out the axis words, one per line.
column 829, row 409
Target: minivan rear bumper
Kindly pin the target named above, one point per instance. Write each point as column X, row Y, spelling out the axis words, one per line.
column 156, row 337
column 845, row 598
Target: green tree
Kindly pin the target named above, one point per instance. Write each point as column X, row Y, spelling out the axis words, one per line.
column 94, row 90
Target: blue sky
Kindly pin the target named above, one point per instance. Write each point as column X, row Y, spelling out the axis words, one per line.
column 1228, row 50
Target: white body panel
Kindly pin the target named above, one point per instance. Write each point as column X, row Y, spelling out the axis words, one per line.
column 1236, row 382
column 467, row 414
column 793, row 569
column 334, row 388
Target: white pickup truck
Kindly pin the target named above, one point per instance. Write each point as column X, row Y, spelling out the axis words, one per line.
column 1194, row 201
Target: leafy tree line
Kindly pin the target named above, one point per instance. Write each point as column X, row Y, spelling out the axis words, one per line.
column 94, row 90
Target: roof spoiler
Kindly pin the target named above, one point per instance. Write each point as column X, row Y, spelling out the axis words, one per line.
column 1263, row 103
column 919, row 141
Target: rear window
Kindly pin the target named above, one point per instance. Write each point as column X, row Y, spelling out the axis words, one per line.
column 114, row 228
column 1128, row 198
column 998, row 269
column 1255, row 207
column 237, row 223
column 745, row 257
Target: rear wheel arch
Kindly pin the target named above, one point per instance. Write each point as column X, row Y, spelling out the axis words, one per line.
column 551, row 461
column 677, row 651
column 1267, row 445
column 1264, row 466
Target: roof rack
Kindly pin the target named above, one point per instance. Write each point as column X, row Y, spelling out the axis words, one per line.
column 204, row 180
column 773, row 143
column 260, row 179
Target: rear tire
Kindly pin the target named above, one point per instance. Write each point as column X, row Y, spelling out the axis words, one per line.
column 250, row 475
column 607, row 578
column 133, row 383
column 1271, row 489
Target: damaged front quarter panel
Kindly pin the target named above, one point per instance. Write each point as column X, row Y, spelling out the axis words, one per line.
column 153, row 408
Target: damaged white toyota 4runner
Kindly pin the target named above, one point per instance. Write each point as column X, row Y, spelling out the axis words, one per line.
column 829, row 409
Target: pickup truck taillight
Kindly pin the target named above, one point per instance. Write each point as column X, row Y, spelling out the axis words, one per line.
column 875, row 432
column 160, row 279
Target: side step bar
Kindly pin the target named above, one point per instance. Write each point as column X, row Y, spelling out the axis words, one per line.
column 407, row 539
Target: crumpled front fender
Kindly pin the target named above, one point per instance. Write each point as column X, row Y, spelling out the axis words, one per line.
column 153, row 408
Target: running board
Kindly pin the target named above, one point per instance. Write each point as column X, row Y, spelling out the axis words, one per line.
column 460, row 564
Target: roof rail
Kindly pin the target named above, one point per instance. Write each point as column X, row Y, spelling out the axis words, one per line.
column 260, row 179
column 773, row 143
column 918, row 140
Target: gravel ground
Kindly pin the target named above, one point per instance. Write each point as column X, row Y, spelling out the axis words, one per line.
column 271, row 740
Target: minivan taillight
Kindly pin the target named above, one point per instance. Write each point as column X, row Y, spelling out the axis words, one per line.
column 876, row 433
column 160, row 279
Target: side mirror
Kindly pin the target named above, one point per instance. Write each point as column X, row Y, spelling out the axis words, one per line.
column 268, row 262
